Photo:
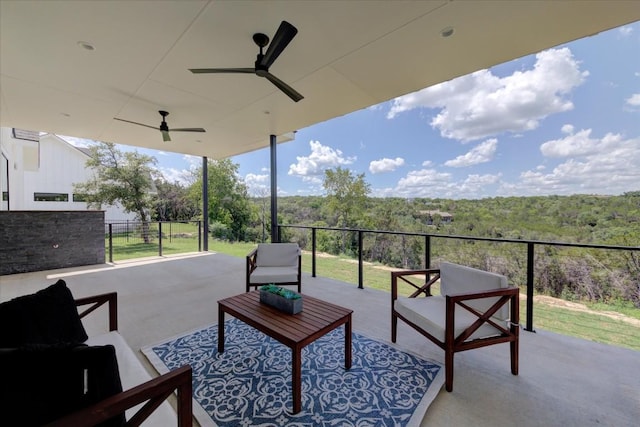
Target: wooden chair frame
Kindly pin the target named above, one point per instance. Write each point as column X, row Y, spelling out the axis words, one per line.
column 453, row 344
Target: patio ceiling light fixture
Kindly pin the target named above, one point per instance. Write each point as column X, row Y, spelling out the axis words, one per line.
column 86, row 45
column 447, row 32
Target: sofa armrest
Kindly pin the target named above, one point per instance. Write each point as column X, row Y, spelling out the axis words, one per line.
column 96, row 301
column 154, row 391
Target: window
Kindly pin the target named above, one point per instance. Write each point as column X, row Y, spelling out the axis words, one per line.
column 79, row 197
column 51, row 197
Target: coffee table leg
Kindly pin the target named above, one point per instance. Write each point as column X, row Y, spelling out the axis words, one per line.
column 296, row 379
column 347, row 344
column 220, row 330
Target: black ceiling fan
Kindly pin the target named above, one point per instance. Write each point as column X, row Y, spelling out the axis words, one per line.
column 164, row 128
column 286, row 32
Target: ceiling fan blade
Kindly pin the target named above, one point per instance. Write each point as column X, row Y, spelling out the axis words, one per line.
column 222, row 70
column 288, row 90
column 188, row 130
column 165, row 135
column 286, row 32
column 136, row 123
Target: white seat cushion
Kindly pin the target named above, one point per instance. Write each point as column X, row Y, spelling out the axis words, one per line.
column 274, row 275
column 133, row 373
column 430, row 314
column 277, row 255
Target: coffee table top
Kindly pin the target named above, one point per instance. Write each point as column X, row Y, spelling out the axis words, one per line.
column 316, row 319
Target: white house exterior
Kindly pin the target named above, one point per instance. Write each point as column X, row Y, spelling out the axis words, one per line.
column 37, row 172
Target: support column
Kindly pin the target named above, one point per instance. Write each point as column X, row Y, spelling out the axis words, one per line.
column 205, row 204
column 274, row 190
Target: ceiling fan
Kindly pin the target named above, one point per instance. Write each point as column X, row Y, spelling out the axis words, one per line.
column 164, row 128
column 285, row 33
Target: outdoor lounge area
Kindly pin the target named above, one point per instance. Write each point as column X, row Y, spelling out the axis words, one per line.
column 562, row 380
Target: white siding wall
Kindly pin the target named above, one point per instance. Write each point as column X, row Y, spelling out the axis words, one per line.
column 57, row 167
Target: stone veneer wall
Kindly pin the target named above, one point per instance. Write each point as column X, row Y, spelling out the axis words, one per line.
column 45, row 240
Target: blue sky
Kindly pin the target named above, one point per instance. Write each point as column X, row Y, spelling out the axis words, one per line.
column 564, row 121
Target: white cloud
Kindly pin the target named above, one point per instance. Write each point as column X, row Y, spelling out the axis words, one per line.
column 607, row 165
column 431, row 183
column 634, row 100
column 385, row 165
column 567, row 128
column 78, row 142
column 579, row 144
column 474, row 185
column 322, row 157
column 481, row 104
column 178, row 176
column 482, row 153
column 257, row 185
column 625, row 31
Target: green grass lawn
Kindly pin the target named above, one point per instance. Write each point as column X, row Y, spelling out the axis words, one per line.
column 588, row 325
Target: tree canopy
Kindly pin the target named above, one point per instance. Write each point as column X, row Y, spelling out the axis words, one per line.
column 229, row 209
column 125, row 178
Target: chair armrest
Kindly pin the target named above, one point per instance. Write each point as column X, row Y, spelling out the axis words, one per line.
column 505, row 295
column 251, row 261
column 154, row 391
column 425, row 288
column 98, row 300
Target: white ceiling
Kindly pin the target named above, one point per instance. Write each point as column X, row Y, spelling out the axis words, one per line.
column 347, row 55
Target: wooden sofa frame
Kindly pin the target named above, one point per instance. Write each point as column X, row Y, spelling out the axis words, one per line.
column 453, row 344
column 154, row 391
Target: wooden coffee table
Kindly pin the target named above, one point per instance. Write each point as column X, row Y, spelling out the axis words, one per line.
column 293, row 330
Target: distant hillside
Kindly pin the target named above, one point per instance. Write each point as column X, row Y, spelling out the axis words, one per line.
column 573, row 273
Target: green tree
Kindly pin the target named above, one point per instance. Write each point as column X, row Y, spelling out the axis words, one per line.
column 173, row 203
column 120, row 177
column 229, row 207
column 346, row 197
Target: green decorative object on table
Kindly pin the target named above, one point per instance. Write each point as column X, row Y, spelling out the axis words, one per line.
column 283, row 299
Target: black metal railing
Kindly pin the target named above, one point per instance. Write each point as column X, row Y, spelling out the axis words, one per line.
column 428, row 238
column 134, row 239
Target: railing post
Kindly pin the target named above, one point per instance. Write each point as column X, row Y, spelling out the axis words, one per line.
column 427, row 260
column 313, row 252
column 110, row 242
column 360, row 270
column 159, row 238
column 199, row 236
column 530, row 264
column 427, row 252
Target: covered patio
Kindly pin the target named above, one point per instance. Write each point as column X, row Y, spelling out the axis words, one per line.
column 563, row 380
column 71, row 68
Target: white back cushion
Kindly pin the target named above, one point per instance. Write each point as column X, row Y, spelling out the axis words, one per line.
column 459, row 279
column 277, row 254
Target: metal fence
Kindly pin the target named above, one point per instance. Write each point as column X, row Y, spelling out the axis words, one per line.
column 136, row 239
column 524, row 251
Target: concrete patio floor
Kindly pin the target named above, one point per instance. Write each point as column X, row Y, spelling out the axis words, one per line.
column 563, row 381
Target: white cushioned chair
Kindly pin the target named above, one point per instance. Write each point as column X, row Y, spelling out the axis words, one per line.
column 277, row 263
column 476, row 308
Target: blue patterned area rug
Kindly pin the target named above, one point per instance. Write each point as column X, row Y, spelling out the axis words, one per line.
column 249, row 384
